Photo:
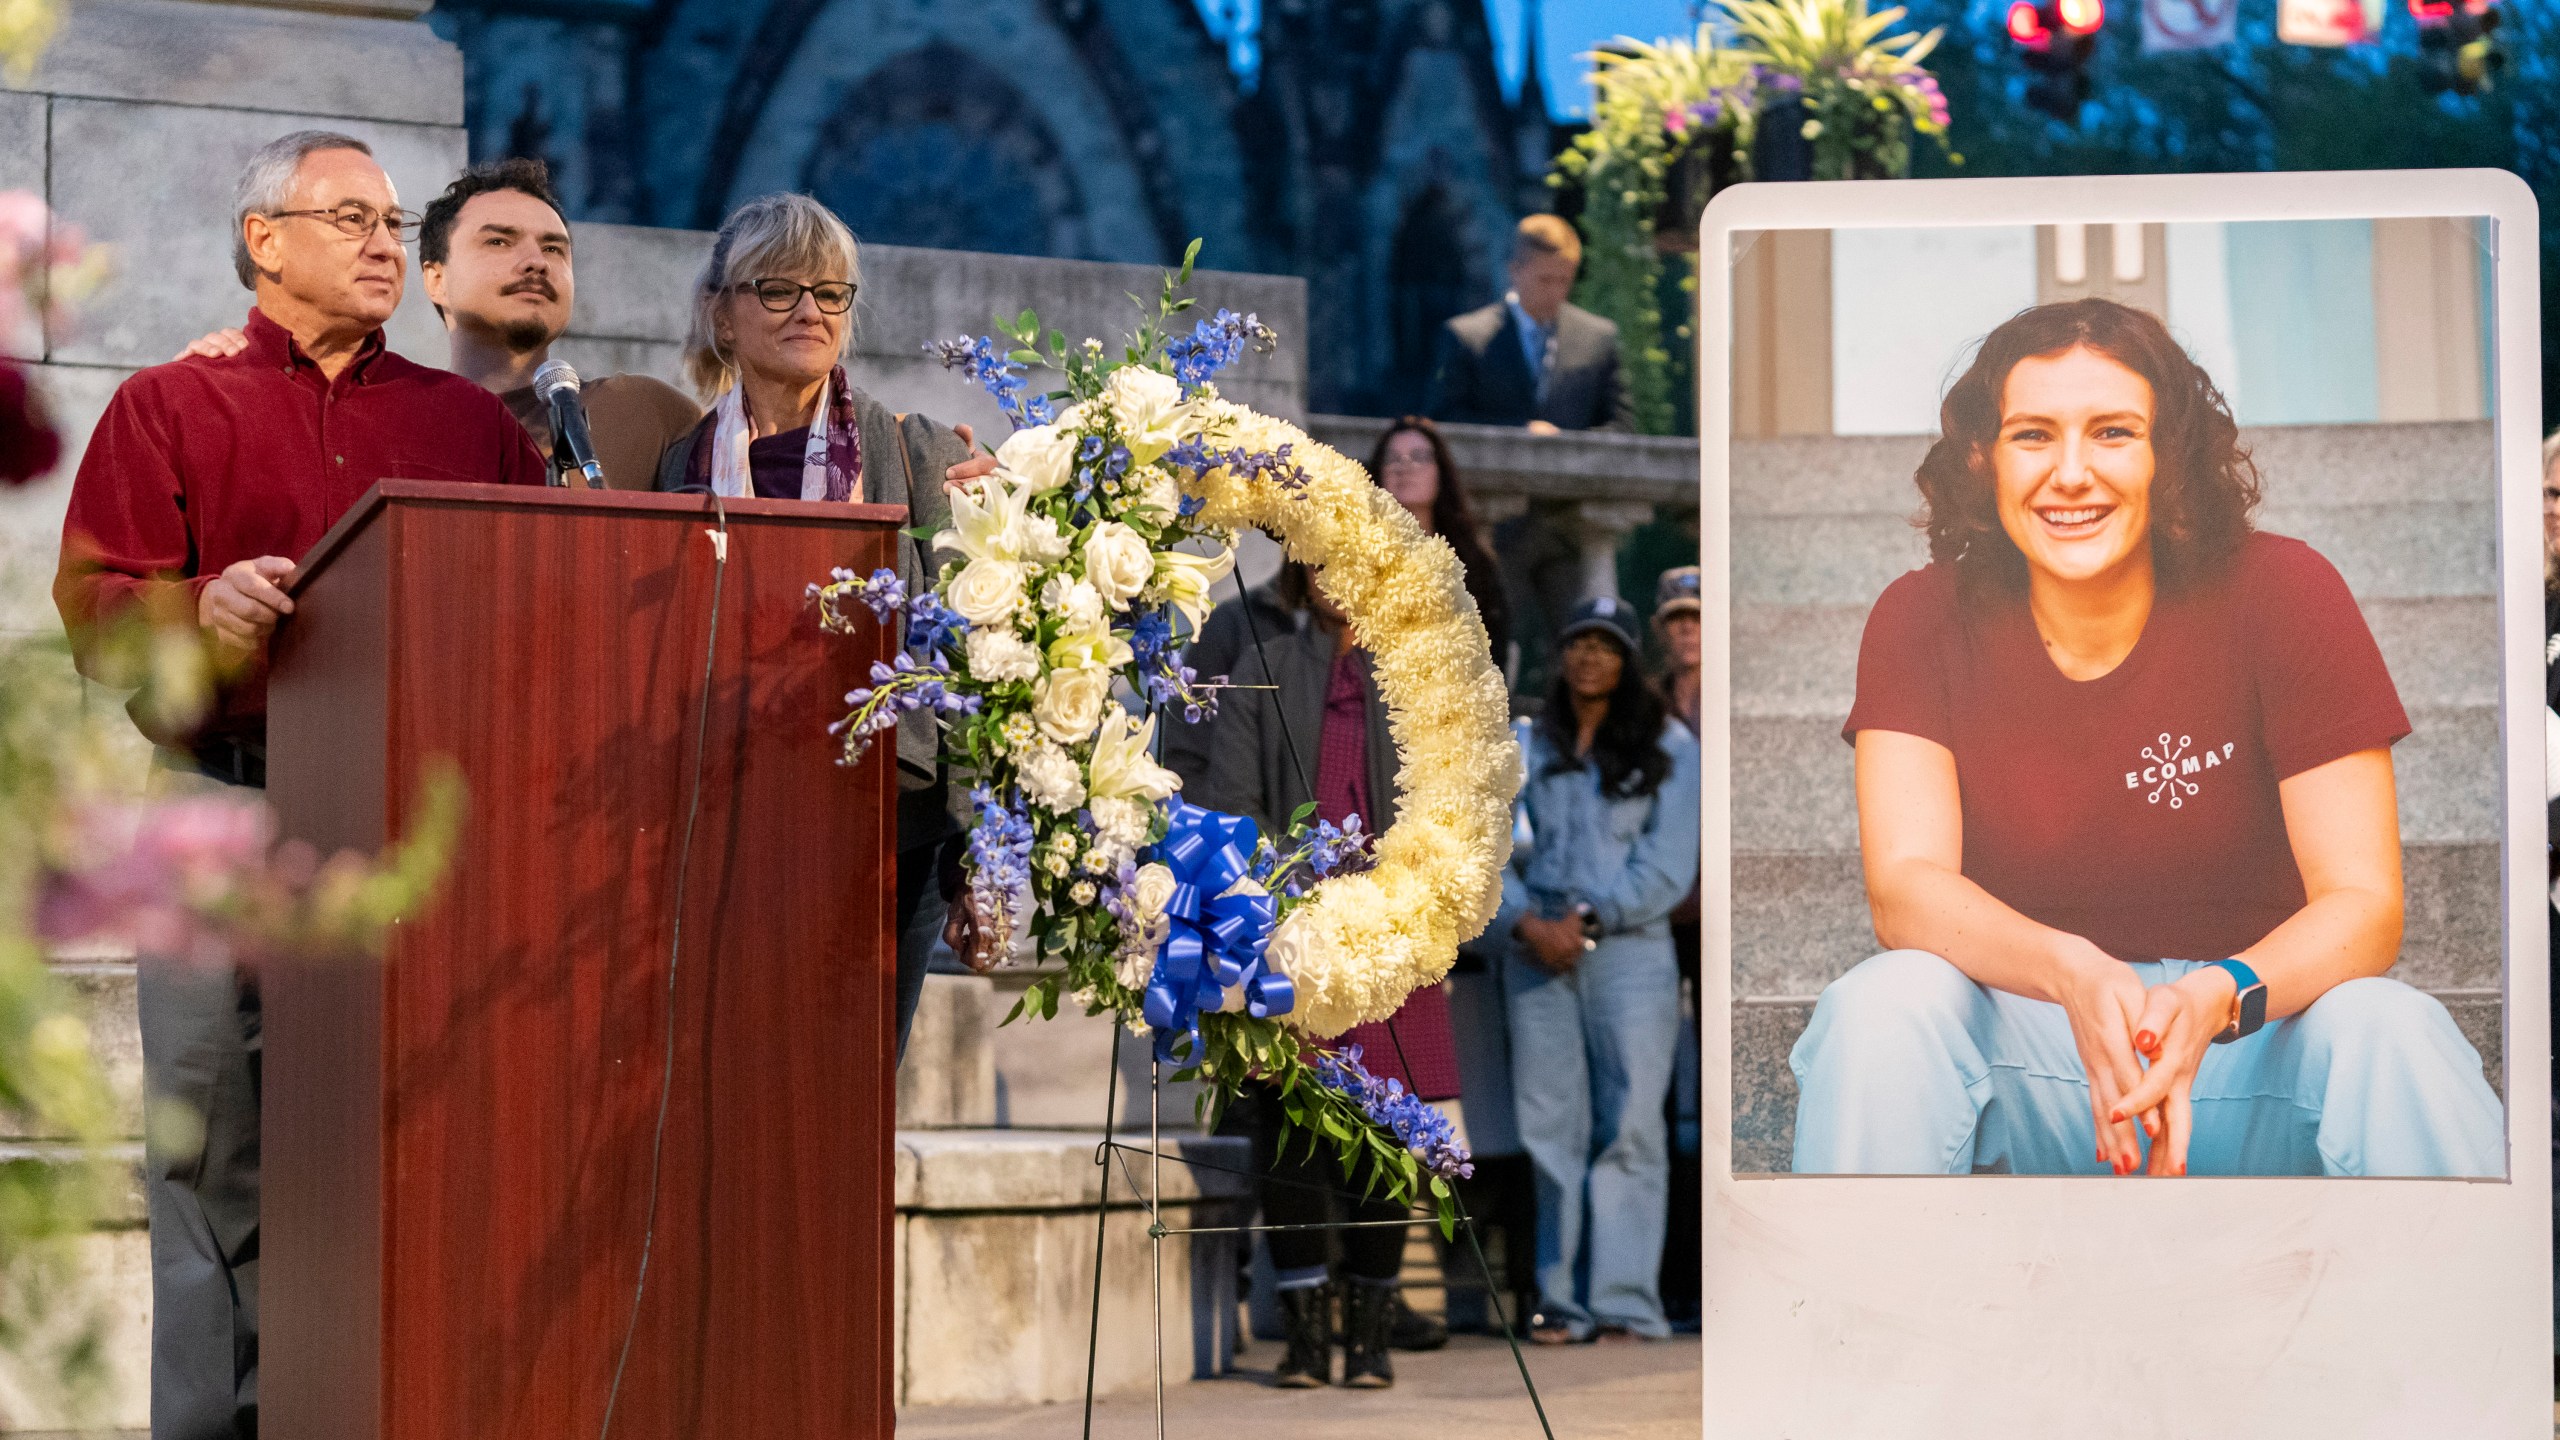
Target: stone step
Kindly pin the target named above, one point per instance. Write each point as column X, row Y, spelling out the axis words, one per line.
column 1802, row 800
column 2396, row 550
column 1800, row 921
column 2334, row 464
column 1764, row 1089
column 1803, row 659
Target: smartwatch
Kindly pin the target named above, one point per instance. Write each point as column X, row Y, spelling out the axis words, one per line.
column 2248, row 1005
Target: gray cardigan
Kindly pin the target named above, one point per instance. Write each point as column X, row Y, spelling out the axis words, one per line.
column 894, row 448
column 1251, row 770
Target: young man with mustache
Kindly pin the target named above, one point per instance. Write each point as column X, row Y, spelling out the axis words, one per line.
column 494, row 252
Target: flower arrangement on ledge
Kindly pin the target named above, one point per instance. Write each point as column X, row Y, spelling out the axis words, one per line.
column 1047, row 649
column 1671, row 123
column 1854, row 90
column 1803, row 90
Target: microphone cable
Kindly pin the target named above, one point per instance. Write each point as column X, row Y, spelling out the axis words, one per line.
column 675, row 952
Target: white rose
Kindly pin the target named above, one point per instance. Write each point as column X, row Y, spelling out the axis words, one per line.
column 1147, row 406
column 1050, row 777
column 1042, row 457
column 1068, row 703
column 1155, row 886
column 1184, row 580
column 1293, row 947
column 987, row 591
column 996, row 656
column 1118, row 563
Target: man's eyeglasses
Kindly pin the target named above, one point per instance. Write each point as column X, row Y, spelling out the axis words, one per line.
column 356, row 220
column 834, row 297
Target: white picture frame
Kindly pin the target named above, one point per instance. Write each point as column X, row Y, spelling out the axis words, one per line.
column 2037, row 1308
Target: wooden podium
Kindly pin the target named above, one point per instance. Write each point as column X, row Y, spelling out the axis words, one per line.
column 458, row 1138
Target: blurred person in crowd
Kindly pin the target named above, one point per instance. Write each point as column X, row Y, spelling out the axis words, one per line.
column 1610, row 844
column 1678, row 620
column 1533, row 358
column 202, row 480
column 495, row 257
column 1306, row 723
column 772, row 323
column 1413, row 464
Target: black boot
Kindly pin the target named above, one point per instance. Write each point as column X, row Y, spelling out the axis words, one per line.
column 1410, row 1329
column 1368, row 1313
column 1308, row 1312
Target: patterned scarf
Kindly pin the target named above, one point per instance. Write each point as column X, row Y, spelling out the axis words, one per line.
column 830, row 469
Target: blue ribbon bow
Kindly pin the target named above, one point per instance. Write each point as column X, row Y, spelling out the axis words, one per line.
column 1217, row 939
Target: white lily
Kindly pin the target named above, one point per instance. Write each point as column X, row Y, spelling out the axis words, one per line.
column 1121, row 767
column 1184, row 579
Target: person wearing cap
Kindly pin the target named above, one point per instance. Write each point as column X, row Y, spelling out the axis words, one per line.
column 1677, row 625
column 1607, row 843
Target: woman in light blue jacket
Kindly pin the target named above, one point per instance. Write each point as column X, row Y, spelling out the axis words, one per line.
column 1609, row 844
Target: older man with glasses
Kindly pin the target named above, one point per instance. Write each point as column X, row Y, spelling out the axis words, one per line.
column 202, row 481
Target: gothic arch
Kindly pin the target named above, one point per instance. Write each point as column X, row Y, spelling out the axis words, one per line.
column 934, row 148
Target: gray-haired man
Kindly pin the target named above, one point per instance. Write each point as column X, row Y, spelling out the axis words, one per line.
column 202, row 481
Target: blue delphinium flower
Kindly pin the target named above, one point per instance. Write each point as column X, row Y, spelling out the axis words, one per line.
column 1150, row 637
column 984, row 361
column 999, row 856
column 1214, row 344
column 932, row 627
column 1418, row 1126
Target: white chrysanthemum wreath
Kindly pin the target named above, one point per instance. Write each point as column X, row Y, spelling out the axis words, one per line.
column 1366, row 941
column 1053, row 623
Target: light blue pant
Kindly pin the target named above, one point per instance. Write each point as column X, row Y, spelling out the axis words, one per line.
column 1590, row 1064
column 1910, row 1068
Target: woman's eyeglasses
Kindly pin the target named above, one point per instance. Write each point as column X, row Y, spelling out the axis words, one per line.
column 834, row 297
column 356, row 220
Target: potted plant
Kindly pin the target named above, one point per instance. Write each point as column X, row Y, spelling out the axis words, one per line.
column 1840, row 96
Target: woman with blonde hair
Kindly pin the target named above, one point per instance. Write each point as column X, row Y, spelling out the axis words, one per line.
column 772, row 321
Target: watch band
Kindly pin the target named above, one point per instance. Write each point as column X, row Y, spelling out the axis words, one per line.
column 2248, row 1002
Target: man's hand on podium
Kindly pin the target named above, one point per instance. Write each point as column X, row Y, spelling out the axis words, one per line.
column 240, row 607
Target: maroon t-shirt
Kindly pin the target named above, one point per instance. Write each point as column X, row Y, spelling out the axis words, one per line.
column 2137, row 810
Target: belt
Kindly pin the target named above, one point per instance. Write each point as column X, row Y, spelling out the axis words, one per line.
column 231, row 759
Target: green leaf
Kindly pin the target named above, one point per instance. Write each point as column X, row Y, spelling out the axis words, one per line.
column 1299, row 816
column 1190, row 253
column 1018, row 1007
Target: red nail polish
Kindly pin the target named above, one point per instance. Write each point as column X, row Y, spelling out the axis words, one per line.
column 2144, row 1041
column 2116, row 1115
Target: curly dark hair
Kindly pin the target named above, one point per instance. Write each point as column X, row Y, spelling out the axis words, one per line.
column 1453, row 518
column 516, row 172
column 1627, row 747
column 2204, row 485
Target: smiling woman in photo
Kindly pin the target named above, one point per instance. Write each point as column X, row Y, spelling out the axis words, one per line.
column 2127, row 814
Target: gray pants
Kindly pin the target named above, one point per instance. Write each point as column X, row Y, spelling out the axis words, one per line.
column 200, row 1059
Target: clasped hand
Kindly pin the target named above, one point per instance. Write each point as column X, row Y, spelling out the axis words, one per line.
column 2140, row 1047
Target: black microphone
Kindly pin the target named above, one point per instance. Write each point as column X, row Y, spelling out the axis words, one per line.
column 556, row 386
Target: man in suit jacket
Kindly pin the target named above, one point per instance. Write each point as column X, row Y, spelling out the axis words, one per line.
column 1531, row 358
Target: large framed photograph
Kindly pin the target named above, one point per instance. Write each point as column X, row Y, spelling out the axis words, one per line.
column 2128, row 796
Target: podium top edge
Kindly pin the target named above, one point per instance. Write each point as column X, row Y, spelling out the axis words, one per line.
column 462, row 495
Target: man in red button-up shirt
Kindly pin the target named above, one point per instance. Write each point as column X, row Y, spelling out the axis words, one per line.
column 202, row 482
column 214, row 474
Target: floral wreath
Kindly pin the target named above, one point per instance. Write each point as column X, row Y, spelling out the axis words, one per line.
column 1112, row 510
